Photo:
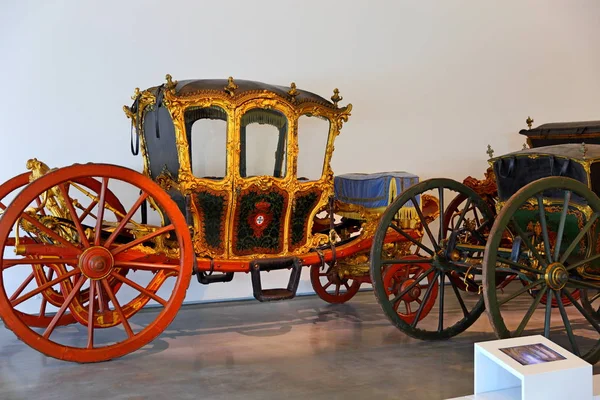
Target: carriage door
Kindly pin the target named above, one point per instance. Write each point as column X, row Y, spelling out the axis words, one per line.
column 260, row 198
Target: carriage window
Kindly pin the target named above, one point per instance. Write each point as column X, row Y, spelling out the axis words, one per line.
column 263, row 142
column 313, row 133
column 207, row 138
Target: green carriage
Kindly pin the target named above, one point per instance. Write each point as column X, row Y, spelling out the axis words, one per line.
column 524, row 241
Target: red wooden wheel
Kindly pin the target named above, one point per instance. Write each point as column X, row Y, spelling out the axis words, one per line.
column 93, row 259
column 42, row 274
column 340, row 289
column 398, row 277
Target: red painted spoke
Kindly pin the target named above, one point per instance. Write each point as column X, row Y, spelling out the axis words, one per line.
column 143, row 239
column 49, row 232
column 64, row 307
column 346, row 284
column 22, row 287
column 100, row 216
column 144, row 266
column 74, row 217
column 87, row 211
column 125, row 220
column 90, row 343
column 328, row 284
column 112, row 297
column 337, row 289
column 408, row 310
column 43, row 287
column 2, row 206
column 11, row 262
column 102, row 305
column 43, row 307
column 139, row 288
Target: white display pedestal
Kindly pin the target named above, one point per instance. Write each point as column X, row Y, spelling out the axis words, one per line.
column 498, row 376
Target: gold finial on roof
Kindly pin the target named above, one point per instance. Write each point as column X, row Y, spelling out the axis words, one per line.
column 489, row 151
column 529, row 122
column 524, row 145
column 231, row 86
column 293, row 91
column 583, row 149
column 170, row 83
column 136, row 93
column 336, row 98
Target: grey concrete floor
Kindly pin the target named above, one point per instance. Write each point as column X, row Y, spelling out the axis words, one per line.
column 297, row 349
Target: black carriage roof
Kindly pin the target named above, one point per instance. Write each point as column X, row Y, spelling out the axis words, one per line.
column 193, row 87
column 571, row 150
column 563, row 128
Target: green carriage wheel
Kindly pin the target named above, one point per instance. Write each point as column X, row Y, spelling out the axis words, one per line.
column 456, row 310
column 543, row 214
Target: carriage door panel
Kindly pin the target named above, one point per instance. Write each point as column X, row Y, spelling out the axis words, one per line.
column 313, row 137
column 206, row 129
column 261, row 198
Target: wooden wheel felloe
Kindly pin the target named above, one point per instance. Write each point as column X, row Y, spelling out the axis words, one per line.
column 159, row 260
column 439, row 258
column 330, row 287
column 555, row 268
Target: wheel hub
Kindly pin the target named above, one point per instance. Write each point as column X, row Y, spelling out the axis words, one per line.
column 96, row 262
column 556, row 276
column 413, row 293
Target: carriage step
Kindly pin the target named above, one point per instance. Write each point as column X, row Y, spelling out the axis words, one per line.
column 257, row 266
column 207, row 279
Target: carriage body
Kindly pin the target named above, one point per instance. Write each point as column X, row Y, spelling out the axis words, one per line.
column 577, row 161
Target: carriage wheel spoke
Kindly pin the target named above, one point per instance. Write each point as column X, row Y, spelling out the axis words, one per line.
column 43, row 287
column 139, row 288
column 519, row 266
column 441, row 217
column 64, row 307
column 424, row 223
column 143, row 239
column 463, row 213
column 441, row 302
column 43, row 307
column 425, row 299
column 520, row 291
column 412, row 285
column 529, row 313
column 529, row 245
column 458, row 297
column 548, row 317
column 346, row 285
column 561, row 225
column 418, row 244
column 578, row 238
column 579, row 284
column 88, row 210
column 126, row 219
column 74, row 217
column 544, row 224
column 583, row 262
column 101, row 207
column 102, row 302
column 337, row 289
column 566, row 322
column 90, row 343
column 583, row 311
column 22, row 287
column 118, row 309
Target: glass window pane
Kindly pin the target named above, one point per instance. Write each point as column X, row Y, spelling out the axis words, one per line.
column 263, row 136
column 313, row 133
column 208, row 143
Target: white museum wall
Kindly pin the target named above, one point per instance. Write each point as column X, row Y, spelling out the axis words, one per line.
column 431, row 83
